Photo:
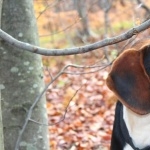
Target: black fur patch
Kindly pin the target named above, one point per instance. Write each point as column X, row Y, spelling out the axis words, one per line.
column 146, row 60
column 124, row 85
column 120, row 134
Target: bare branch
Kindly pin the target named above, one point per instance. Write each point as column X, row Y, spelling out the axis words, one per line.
column 85, row 67
column 64, row 116
column 79, row 73
column 64, row 29
column 39, row 123
column 47, row 7
column 143, row 6
column 49, row 72
column 28, row 118
column 106, row 7
column 77, row 50
column 127, row 43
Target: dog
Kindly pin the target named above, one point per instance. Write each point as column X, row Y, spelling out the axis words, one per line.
column 129, row 79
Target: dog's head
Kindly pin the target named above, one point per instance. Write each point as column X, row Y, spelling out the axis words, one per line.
column 129, row 77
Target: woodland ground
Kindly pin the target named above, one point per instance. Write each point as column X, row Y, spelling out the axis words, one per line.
column 80, row 107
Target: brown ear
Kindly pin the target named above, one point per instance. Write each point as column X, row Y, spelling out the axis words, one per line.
column 129, row 78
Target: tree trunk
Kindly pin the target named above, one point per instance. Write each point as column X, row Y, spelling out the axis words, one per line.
column 81, row 8
column 1, row 87
column 1, row 127
column 21, row 78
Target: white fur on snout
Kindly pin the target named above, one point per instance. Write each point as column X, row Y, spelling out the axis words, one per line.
column 128, row 147
column 138, row 127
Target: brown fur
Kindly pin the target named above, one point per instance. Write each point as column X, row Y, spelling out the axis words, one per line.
column 130, row 64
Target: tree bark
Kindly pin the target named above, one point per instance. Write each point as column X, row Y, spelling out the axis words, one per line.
column 1, row 87
column 1, row 127
column 81, row 8
column 21, row 76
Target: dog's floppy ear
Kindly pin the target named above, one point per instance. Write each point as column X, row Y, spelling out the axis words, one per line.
column 129, row 77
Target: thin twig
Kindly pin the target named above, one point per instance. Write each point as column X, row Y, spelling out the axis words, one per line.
column 63, row 117
column 48, row 70
column 106, row 9
column 64, row 29
column 43, row 124
column 143, row 6
column 48, row 6
column 28, row 118
column 127, row 43
column 80, row 73
column 32, row 107
column 86, row 67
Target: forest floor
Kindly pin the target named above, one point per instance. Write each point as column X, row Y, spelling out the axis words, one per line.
column 80, row 111
column 80, row 106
